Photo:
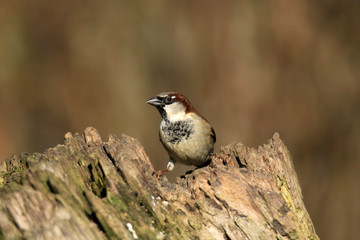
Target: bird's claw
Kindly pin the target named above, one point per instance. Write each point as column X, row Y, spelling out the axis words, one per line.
column 159, row 173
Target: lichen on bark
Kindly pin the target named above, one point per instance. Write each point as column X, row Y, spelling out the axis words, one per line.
column 90, row 189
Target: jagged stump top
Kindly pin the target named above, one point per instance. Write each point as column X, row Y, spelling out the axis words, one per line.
column 90, row 189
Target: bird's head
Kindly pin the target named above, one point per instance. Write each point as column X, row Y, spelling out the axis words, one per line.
column 171, row 105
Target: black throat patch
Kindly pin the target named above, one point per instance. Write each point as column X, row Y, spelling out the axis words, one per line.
column 175, row 132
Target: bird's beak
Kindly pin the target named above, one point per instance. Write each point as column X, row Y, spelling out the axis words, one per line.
column 155, row 102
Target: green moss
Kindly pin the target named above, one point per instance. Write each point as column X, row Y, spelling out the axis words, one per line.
column 14, row 175
column 278, row 182
column 3, row 176
column 256, row 231
column 116, row 202
column 293, row 234
column 27, row 159
column 300, row 214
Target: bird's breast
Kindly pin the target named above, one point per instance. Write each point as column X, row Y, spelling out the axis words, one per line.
column 186, row 141
column 175, row 132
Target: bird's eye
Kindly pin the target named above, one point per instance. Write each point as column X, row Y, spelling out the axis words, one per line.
column 168, row 100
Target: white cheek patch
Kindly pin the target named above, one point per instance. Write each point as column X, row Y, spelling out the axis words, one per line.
column 174, row 111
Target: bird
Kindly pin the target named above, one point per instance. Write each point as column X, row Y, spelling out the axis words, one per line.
column 187, row 136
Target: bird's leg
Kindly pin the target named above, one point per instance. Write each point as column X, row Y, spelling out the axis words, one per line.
column 159, row 173
column 170, row 166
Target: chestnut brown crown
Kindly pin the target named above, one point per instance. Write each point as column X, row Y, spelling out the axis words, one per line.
column 167, row 98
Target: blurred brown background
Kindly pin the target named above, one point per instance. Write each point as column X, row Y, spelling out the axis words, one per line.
column 251, row 67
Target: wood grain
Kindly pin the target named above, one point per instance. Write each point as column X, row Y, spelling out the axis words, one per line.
column 90, row 189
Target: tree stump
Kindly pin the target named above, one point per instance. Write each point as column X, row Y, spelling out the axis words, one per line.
column 90, row 189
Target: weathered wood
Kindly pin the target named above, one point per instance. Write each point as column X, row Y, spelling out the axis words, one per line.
column 90, row 189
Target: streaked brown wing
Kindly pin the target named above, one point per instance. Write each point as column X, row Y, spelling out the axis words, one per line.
column 213, row 135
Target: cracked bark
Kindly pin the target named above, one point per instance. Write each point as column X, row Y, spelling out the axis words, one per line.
column 90, row 189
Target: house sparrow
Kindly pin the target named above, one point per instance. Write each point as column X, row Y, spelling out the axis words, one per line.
column 186, row 135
